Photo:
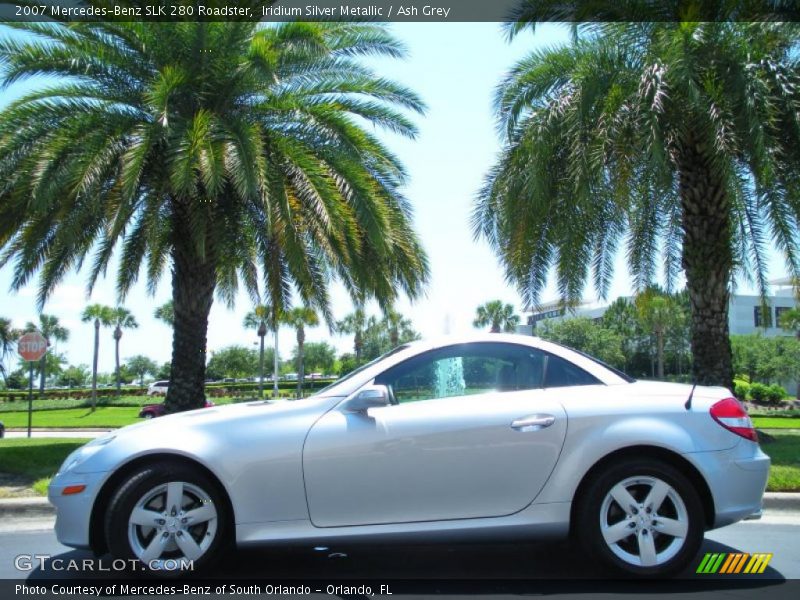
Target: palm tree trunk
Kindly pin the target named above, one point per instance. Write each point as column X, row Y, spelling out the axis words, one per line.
column 117, row 336
column 357, row 343
column 193, row 283
column 94, row 362
column 707, row 261
column 42, row 369
column 261, row 368
column 275, row 367
column 301, row 338
column 660, row 354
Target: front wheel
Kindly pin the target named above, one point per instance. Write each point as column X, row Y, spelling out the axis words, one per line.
column 171, row 519
column 642, row 517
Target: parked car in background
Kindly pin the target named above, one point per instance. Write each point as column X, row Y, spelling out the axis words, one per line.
column 151, row 411
column 463, row 437
column 158, row 388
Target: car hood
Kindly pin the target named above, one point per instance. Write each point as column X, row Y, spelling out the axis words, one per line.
column 206, row 433
column 226, row 415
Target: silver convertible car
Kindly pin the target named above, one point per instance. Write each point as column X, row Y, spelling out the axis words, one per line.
column 496, row 436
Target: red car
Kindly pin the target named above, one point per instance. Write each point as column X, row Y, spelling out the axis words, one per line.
column 150, row 411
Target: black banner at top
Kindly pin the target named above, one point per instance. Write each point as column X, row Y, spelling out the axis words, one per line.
column 434, row 11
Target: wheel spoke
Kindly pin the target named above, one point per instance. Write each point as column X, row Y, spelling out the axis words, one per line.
column 672, row 527
column 190, row 548
column 647, row 549
column 204, row 513
column 174, row 496
column 155, row 548
column 619, row 531
column 144, row 517
column 623, row 497
column 655, row 498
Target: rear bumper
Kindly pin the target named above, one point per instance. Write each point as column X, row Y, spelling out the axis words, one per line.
column 737, row 482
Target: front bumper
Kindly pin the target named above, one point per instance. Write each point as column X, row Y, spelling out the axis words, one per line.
column 74, row 511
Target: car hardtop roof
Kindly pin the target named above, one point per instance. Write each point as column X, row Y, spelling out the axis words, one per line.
column 469, row 338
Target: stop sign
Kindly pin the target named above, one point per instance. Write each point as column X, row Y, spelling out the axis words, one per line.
column 32, row 346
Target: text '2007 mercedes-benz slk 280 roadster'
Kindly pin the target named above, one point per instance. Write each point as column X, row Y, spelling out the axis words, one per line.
column 495, row 436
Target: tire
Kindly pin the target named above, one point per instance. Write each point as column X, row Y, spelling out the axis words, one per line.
column 148, row 415
column 139, row 524
column 648, row 537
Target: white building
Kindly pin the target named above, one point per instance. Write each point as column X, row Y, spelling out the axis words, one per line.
column 745, row 313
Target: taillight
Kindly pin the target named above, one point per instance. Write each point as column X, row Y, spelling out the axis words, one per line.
column 732, row 416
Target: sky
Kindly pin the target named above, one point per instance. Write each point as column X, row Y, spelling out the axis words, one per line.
column 455, row 68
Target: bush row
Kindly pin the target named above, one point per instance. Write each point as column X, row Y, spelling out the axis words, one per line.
column 215, row 390
column 759, row 393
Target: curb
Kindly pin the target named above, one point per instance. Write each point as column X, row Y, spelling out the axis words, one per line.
column 26, row 508
column 782, row 501
column 15, row 508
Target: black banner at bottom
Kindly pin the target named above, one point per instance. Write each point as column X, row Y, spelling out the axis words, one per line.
column 714, row 588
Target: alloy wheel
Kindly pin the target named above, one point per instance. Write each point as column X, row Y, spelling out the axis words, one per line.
column 175, row 520
column 644, row 521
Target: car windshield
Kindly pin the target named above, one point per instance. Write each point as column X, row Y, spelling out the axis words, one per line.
column 358, row 370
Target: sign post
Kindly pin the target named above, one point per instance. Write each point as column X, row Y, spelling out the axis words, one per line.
column 31, row 347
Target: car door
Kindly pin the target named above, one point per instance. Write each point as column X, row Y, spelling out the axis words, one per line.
column 470, row 434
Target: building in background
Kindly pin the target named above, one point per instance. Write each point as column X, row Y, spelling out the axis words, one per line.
column 746, row 314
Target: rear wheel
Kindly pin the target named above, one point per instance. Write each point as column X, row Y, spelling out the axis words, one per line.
column 167, row 517
column 642, row 517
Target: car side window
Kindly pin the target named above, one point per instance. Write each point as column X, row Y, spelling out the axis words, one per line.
column 562, row 373
column 465, row 369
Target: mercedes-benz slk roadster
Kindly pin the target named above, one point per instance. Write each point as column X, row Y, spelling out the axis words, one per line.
column 496, row 436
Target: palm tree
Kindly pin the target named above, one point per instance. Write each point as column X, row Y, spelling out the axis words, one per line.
column 121, row 318
column 300, row 318
column 52, row 330
column 8, row 335
column 257, row 319
column 498, row 316
column 101, row 316
column 790, row 322
column 399, row 327
column 222, row 151
column 354, row 324
column 680, row 138
column 166, row 313
column 657, row 312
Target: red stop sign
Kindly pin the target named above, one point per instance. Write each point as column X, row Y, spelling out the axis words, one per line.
column 32, row 346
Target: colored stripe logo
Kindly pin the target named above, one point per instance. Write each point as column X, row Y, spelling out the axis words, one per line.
column 731, row 563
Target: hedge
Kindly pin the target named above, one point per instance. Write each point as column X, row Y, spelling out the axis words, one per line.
column 214, row 390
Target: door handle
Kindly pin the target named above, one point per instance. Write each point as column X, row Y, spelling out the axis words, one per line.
column 533, row 422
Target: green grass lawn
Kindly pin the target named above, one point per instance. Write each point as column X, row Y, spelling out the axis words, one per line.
column 104, row 401
column 36, row 460
column 74, row 418
column 776, row 422
column 784, row 475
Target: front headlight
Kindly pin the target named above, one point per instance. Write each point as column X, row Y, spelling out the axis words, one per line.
column 84, row 452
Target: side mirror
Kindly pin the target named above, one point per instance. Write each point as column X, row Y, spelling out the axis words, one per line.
column 370, row 397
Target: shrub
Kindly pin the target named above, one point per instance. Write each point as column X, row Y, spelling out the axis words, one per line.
column 759, row 392
column 775, row 394
column 741, row 390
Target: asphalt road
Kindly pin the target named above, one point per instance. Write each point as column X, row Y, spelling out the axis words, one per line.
column 491, row 569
